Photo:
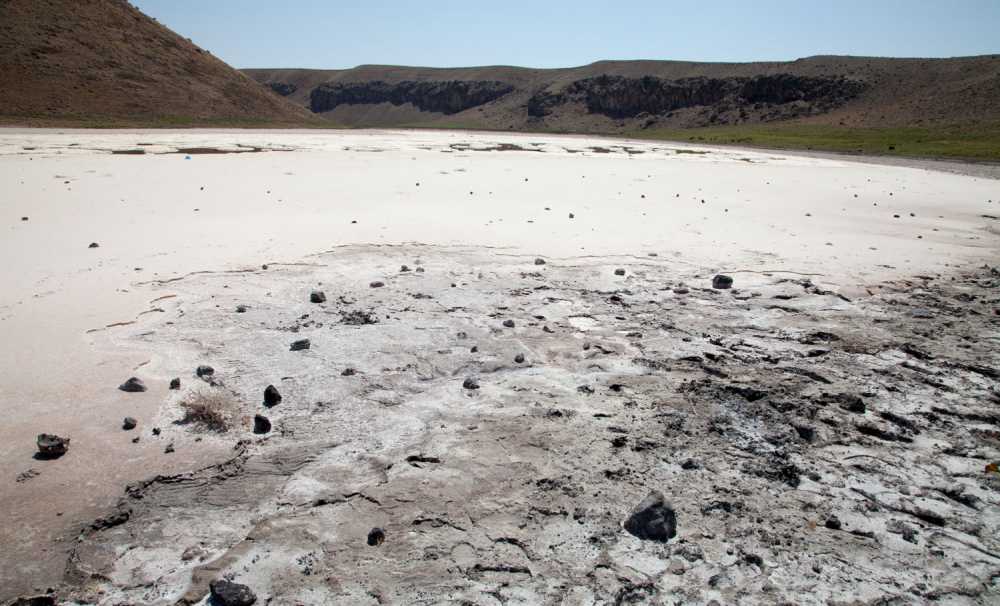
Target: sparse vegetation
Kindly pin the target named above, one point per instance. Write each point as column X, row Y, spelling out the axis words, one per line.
column 208, row 410
column 979, row 143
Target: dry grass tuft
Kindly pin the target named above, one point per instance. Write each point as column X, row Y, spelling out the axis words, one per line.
column 210, row 411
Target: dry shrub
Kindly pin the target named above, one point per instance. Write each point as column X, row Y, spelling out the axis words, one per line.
column 210, row 410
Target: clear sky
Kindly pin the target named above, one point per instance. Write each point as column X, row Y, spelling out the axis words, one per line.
column 564, row 33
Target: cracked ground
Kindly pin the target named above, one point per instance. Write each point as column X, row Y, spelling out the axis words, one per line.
column 820, row 445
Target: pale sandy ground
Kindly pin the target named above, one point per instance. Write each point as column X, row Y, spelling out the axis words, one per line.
column 163, row 215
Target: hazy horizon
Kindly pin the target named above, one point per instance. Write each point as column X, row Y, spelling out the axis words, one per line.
column 313, row 34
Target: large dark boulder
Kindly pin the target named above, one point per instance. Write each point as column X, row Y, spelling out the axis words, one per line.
column 227, row 593
column 51, row 446
column 272, row 397
column 653, row 519
column 133, row 385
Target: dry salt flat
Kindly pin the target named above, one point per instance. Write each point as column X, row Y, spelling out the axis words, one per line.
column 610, row 384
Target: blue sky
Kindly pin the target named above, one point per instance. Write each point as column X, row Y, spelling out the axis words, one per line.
column 556, row 33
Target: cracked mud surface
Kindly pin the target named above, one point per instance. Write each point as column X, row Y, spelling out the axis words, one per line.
column 818, row 445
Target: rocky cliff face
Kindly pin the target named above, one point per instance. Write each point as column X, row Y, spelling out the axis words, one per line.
column 622, row 97
column 446, row 97
column 282, row 88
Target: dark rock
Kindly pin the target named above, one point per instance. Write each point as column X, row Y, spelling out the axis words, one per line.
column 376, row 536
column 348, row 372
column 508, row 323
column 300, row 345
column 403, row 268
column 156, row 431
column 169, row 449
column 37, row 600
column 690, row 464
column 470, row 384
column 377, row 284
column 133, row 385
column 619, row 441
column 271, row 396
column 571, row 216
column 261, row 424
column 129, row 423
column 833, row 523
column 619, row 272
column 175, row 383
column 653, row 519
column 770, row 97
column 317, row 296
column 51, row 446
column 94, row 245
column 358, row 318
column 439, row 96
column 721, row 282
column 24, row 218
column 227, row 593
column 204, row 371
column 539, row 261
column 519, row 359
column 241, row 309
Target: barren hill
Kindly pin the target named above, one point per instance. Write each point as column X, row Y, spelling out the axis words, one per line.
column 105, row 62
column 629, row 96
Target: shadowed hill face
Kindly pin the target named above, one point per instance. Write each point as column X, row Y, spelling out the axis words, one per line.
column 629, row 96
column 104, row 60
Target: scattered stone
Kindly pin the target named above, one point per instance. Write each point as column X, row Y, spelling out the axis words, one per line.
column 348, row 372
column 156, row 431
column 376, row 536
column 241, row 309
column 261, row 424
column 681, row 291
column 377, row 284
column 508, row 323
column 404, row 268
column 129, row 423
column 357, row 317
column 133, row 385
column 653, row 519
column 24, row 218
column 470, row 384
column 175, row 383
column 519, row 359
column 317, row 296
column 227, row 593
column 619, row 272
column 539, row 261
column 722, row 282
column 300, row 345
column 169, row 449
column 272, row 397
column 571, row 215
column 204, row 372
column 51, row 446
column 94, row 245
column 26, row 475
column 833, row 523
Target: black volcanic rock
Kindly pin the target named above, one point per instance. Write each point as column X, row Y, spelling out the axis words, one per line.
column 653, row 519
column 271, row 396
column 619, row 97
column 51, row 446
column 446, row 97
column 261, row 424
column 133, row 385
column 227, row 593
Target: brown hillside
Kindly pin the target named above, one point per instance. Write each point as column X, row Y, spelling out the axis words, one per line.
column 627, row 96
column 103, row 61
